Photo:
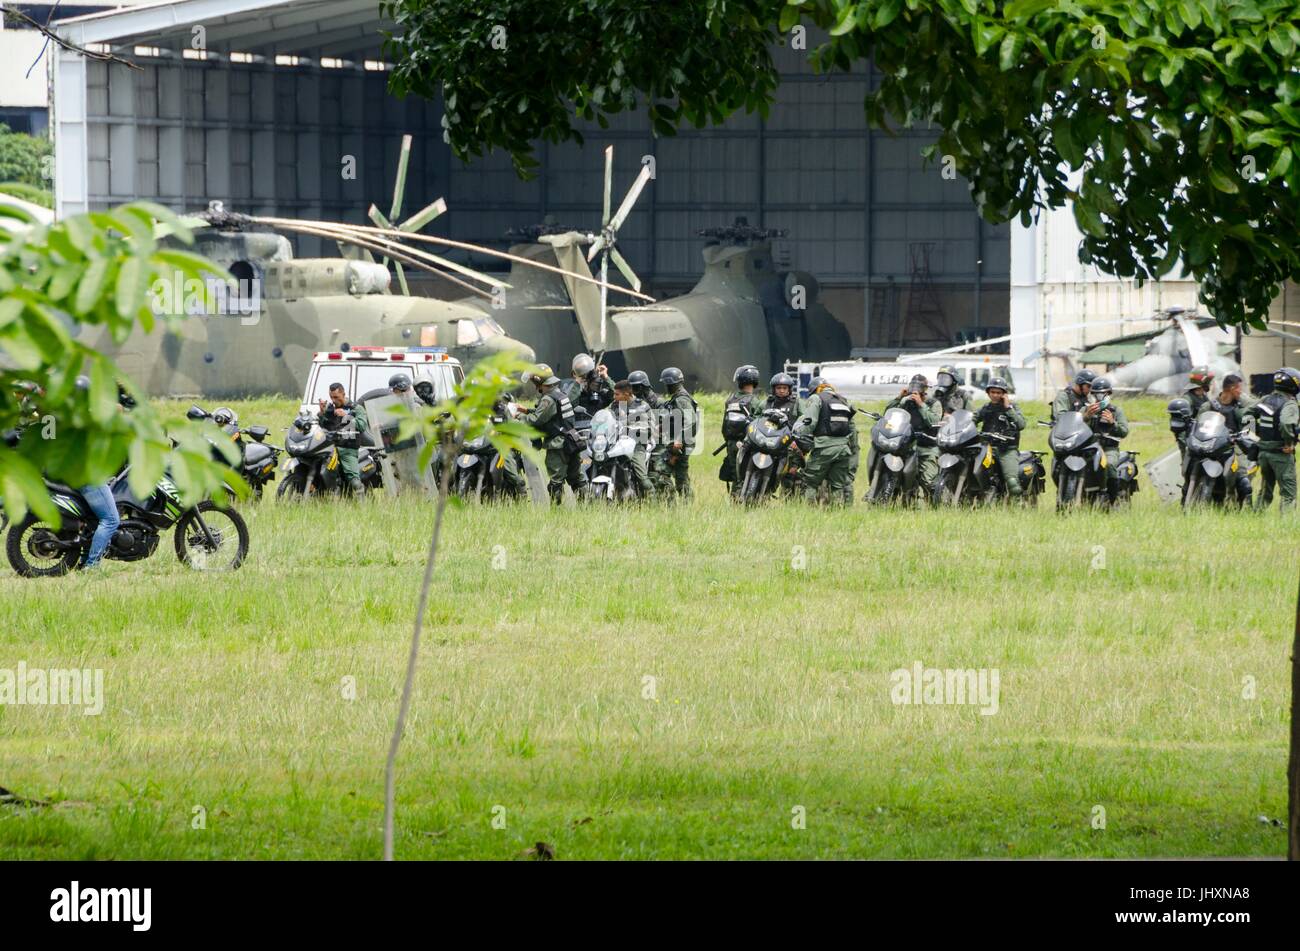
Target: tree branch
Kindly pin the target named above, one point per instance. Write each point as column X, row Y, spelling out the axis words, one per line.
column 66, row 44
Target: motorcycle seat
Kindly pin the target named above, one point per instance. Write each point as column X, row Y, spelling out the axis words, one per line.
column 62, row 489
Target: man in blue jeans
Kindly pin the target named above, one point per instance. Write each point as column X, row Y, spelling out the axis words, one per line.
column 100, row 500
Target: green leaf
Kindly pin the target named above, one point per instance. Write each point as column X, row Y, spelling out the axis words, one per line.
column 146, row 459
column 1066, row 145
column 886, row 14
column 103, row 391
column 848, row 19
column 24, row 489
column 130, row 288
column 1009, row 51
column 1221, row 180
column 91, row 287
column 1282, row 163
column 1088, row 219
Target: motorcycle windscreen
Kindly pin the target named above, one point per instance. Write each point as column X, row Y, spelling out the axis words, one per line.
column 1211, row 426
column 1069, row 431
column 956, row 428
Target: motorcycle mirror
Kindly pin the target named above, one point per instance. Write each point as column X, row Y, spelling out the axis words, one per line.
column 258, row 432
column 1043, row 422
column 196, row 412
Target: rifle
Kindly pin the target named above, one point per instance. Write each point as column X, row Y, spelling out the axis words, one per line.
column 719, row 449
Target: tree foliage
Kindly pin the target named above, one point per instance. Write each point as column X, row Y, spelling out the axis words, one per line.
column 98, row 268
column 23, row 158
column 1172, row 125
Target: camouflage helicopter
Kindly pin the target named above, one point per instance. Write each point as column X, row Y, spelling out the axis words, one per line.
column 742, row 310
column 257, row 335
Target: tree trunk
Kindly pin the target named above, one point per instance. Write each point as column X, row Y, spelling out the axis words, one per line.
column 390, row 768
column 1293, row 768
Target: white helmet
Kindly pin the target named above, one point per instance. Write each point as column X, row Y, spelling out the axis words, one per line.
column 583, row 364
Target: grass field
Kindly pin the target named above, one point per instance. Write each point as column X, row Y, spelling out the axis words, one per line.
column 1142, row 662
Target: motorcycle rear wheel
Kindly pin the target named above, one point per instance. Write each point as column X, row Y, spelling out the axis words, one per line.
column 224, row 526
column 19, row 545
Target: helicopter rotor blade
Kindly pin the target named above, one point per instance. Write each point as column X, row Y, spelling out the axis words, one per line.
column 630, row 199
column 620, row 262
column 596, row 247
column 423, row 216
column 609, row 183
column 399, row 187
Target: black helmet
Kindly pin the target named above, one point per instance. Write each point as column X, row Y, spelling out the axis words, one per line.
column 125, row 399
column 399, row 382
column 746, row 375
column 639, row 378
column 997, row 383
column 951, row 373
column 1084, row 378
column 1287, row 380
column 1180, row 408
column 224, row 416
column 781, row 379
column 918, row 379
column 1101, row 385
column 671, row 376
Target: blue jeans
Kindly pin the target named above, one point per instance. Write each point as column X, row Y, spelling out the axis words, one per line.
column 100, row 500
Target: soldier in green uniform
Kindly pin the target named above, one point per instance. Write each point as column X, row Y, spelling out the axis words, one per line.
column 926, row 414
column 637, row 419
column 1108, row 421
column 828, row 418
column 341, row 414
column 1235, row 406
column 739, row 410
column 678, row 423
column 950, row 396
column 554, row 416
column 590, row 386
column 783, row 395
column 1277, row 423
column 1074, row 398
column 1001, row 417
column 642, row 389
column 1197, row 392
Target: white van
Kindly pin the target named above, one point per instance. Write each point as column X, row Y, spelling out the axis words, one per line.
column 867, row 380
column 362, row 369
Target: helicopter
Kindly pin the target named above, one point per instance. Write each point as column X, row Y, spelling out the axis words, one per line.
column 257, row 334
column 742, row 310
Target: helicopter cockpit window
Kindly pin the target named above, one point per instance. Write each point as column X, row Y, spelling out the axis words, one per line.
column 489, row 327
column 467, row 334
column 979, row 376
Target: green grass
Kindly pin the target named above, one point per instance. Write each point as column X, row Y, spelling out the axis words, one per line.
column 1121, row 686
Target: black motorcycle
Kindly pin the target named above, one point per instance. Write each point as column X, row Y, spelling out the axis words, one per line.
column 206, row 537
column 480, row 470
column 895, row 468
column 767, row 457
column 968, row 469
column 1210, row 469
column 313, row 469
column 258, row 459
column 1080, row 464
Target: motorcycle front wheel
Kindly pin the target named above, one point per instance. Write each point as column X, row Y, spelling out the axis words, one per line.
column 755, row 482
column 295, row 484
column 222, row 547
column 35, row 550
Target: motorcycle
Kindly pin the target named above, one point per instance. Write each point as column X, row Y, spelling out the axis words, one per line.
column 258, row 459
column 205, row 536
column 767, row 456
column 609, row 460
column 313, row 469
column 479, row 474
column 1210, row 471
column 966, row 457
column 895, row 469
column 1080, row 464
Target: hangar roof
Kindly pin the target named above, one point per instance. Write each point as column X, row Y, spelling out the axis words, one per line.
column 324, row 27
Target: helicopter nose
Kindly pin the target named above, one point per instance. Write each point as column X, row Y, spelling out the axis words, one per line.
column 516, row 348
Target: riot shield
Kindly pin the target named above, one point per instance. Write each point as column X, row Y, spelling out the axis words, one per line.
column 1166, row 475
column 399, row 460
